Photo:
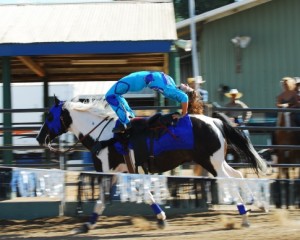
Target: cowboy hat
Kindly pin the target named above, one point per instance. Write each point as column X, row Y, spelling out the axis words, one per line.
column 234, row 92
column 287, row 79
column 198, row 80
column 297, row 80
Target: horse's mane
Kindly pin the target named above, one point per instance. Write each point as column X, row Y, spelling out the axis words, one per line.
column 96, row 107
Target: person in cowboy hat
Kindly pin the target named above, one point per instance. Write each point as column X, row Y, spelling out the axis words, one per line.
column 238, row 117
column 202, row 92
column 288, row 97
column 296, row 115
column 298, row 91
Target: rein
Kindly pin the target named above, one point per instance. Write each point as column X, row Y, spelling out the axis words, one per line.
column 80, row 139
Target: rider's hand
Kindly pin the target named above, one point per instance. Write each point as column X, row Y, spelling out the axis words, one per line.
column 176, row 115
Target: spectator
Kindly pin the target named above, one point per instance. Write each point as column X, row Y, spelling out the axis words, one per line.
column 298, row 90
column 288, row 97
column 297, row 114
column 238, row 117
column 202, row 92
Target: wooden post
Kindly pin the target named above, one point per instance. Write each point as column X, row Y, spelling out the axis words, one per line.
column 7, row 118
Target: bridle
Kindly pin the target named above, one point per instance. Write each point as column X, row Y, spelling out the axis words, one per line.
column 108, row 119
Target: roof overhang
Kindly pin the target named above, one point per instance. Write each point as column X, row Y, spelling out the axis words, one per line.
column 18, row 49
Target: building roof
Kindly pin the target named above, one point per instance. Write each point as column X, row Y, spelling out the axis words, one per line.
column 99, row 41
column 220, row 12
column 103, row 27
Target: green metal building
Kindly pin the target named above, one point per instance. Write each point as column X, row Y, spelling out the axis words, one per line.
column 256, row 70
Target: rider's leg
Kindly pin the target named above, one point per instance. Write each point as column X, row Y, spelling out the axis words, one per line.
column 116, row 102
column 127, row 108
column 119, row 104
column 124, row 117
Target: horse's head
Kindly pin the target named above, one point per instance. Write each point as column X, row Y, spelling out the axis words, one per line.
column 57, row 122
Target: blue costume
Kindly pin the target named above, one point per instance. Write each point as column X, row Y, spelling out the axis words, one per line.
column 137, row 81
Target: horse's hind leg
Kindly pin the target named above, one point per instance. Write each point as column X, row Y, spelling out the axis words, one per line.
column 160, row 214
column 253, row 194
column 228, row 174
column 242, row 183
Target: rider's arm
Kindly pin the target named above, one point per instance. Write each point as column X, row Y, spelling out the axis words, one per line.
column 184, row 108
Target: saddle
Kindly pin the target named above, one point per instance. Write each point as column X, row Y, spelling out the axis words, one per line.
column 148, row 137
column 157, row 123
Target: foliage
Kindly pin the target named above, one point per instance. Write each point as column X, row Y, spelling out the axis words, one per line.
column 201, row 6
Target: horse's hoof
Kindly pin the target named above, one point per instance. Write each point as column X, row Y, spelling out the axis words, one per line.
column 251, row 201
column 245, row 224
column 264, row 209
column 83, row 229
column 161, row 223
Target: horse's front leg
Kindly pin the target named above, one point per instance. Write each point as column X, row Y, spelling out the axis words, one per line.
column 244, row 213
column 160, row 214
column 98, row 210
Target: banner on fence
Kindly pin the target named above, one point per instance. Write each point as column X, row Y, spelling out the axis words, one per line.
column 135, row 187
column 232, row 190
column 37, row 183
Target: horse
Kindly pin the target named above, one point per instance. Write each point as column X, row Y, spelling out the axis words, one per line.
column 286, row 137
column 92, row 123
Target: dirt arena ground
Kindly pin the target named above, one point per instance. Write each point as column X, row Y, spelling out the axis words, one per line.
column 212, row 225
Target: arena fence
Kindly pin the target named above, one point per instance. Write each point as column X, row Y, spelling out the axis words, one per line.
column 282, row 192
column 175, row 194
column 37, row 156
column 189, row 192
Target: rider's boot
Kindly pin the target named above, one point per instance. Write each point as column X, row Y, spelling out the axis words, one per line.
column 121, row 128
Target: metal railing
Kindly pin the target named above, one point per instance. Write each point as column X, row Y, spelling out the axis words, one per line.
column 264, row 129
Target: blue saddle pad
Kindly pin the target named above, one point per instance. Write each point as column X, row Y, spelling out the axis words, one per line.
column 177, row 137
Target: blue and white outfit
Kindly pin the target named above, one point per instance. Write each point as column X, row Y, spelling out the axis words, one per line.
column 134, row 82
column 204, row 94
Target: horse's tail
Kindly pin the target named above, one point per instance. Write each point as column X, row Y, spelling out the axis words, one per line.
column 241, row 144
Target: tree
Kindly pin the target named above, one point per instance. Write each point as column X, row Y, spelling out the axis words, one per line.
column 201, row 6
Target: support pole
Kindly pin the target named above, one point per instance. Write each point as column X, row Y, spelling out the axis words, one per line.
column 46, row 105
column 174, row 66
column 45, row 93
column 7, row 118
column 195, row 63
column 174, row 71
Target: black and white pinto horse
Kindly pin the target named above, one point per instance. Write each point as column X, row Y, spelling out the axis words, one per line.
column 94, row 120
